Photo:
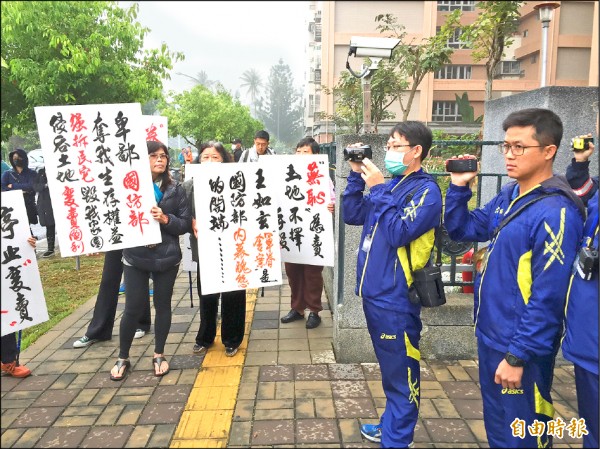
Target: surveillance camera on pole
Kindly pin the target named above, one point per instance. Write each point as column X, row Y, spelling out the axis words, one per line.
column 375, row 48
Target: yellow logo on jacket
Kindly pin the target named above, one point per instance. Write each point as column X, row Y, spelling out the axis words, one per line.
column 554, row 245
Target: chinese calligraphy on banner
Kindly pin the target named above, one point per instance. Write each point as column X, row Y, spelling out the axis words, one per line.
column 155, row 128
column 99, row 177
column 238, row 241
column 23, row 304
column 302, row 195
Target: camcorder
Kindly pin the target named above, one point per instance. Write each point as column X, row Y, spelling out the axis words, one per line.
column 357, row 154
column 581, row 143
column 587, row 262
column 461, row 164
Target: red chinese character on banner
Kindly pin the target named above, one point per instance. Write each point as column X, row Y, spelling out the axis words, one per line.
column 313, row 175
column 80, row 140
column 134, row 200
column 312, row 199
column 151, row 133
column 77, row 123
column 132, row 181
column 137, row 219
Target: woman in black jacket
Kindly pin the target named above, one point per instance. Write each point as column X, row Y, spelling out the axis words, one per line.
column 159, row 260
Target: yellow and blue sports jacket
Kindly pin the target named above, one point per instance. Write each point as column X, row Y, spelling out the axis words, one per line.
column 527, row 265
column 391, row 221
column 580, row 343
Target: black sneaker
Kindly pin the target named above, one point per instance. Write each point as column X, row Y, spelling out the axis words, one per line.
column 230, row 352
column 313, row 320
column 199, row 349
column 48, row 254
column 292, row 316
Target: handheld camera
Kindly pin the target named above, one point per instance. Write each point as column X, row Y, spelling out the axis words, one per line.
column 461, row 164
column 581, row 143
column 357, row 154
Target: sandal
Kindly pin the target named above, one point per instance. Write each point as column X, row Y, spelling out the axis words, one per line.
column 158, row 361
column 120, row 364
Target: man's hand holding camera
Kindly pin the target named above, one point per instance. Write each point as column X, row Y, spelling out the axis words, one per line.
column 464, row 178
column 367, row 169
column 583, row 147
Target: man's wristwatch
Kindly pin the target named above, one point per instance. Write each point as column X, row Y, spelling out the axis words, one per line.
column 513, row 360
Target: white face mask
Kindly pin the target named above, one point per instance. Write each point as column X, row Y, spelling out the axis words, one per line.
column 232, row 147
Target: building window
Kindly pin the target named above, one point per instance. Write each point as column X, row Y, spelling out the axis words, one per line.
column 508, row 68
column 311, row 105
column 452, row 5
column 525, row 33
column 454, row 41
column 533, row 59
column 454, row 72
column 318, row 76
column 445, row 111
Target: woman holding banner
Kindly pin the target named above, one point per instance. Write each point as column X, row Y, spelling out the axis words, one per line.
column 161, row 261
column 233, row 304
column 306, row 281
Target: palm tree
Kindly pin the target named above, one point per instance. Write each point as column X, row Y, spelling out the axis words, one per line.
column 200, row 78
column 251, row 80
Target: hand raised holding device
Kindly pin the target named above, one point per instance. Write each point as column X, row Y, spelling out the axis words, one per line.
column 463, row 169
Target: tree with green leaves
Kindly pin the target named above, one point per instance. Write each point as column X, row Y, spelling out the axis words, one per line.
column 282, row 110
column 62, row 53
column 200, row 115
column 347, row 97
column 253, row 83
column 413, row 60
column 490, row 34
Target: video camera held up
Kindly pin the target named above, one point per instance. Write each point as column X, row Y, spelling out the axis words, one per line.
column 461, row 164
column 357, row 154
column 581, row 143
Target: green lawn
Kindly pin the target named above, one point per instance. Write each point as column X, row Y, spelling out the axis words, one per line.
column 65, row 289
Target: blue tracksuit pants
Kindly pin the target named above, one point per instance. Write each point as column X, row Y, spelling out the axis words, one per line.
column 587, row 403
column 502, row 406
column 395, row 336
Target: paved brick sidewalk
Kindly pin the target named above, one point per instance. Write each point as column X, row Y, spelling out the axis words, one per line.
column 290, row 390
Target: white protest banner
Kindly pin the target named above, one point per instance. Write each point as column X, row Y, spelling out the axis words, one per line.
column 23, row 304
column 99, row 176
column 238, row 242
column 302, row 195
column 155, row 128
column 187, row 262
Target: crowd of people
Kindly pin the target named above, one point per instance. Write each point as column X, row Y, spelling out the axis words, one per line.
column 535, row 291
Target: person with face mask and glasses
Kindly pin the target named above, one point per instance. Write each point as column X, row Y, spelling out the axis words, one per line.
column 396, row 215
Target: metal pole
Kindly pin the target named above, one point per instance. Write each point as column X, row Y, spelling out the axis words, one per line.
column 366, row 88
column 77, row 263
column 191, row 294
column 545, row 26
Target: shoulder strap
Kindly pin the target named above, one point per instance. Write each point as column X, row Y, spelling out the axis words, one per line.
column 519, row 210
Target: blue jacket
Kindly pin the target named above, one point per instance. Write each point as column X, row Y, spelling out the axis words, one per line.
column 524, row 282
column 580, row 342
column 392, row 222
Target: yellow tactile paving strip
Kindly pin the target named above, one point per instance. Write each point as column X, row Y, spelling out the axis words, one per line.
column 206, row 419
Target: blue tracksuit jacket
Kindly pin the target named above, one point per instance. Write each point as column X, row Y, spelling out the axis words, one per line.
column 391, row 223
column 524, row 282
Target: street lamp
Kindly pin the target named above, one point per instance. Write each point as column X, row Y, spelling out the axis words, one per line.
column 546, row 11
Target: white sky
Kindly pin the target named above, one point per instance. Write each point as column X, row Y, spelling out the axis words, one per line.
column 226, row 38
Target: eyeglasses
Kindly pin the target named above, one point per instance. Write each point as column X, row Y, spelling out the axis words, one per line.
column 516, row 150
column 159, row 156
column 396, row 147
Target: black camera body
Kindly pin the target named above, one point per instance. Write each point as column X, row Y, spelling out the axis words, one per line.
column 357, row 154
column 461, row 164
column 581, row 143
column 587, row 262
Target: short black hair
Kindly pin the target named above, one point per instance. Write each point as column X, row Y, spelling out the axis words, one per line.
column 548, row 126
column 153, row 147
column 417, row 133
column 309, row 142
column 237, row 141
column 262, row 134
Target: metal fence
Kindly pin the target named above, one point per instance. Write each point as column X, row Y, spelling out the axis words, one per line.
column 451, row 249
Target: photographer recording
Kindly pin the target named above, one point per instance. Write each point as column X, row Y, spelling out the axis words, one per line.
column 396, row 215
column 580, row 342
column 533, row 225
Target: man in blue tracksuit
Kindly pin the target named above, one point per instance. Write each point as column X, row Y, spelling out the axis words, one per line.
column 524, row 278
column 580, row 342
column 400, row 213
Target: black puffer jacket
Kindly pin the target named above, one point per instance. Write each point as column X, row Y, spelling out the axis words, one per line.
column 167, row 253
column 44, row 202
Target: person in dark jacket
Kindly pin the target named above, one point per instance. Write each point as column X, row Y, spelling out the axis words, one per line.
column 525, row 275
column 237, row 149
column 233, row 303
column 21, row 177
column 159, row 260
column 396, row 216
column 44, row 210
column 580, row 341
